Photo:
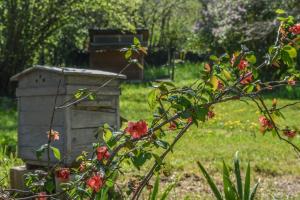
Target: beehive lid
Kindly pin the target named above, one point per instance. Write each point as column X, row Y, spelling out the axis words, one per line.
column 67, row 71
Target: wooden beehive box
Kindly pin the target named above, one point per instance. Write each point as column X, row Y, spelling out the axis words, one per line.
column 77, row 125
column 105, row 54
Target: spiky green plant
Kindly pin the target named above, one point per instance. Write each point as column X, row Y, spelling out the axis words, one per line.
column 230, row 190
column 154, row 193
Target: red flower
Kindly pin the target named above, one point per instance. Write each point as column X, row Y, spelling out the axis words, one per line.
column 220, row 85
column 41, row 196
column 190, row 120
column 247, row 78
column 289, row 133
column 137, row 129
column 95, row 183
column 63, row 174
column 82, row 167
column 242, row 65
column 295, row 29
column 172, row 126
column 265, row 124
column 53, row 135
column 102, row 152
column 210, row 114
column 291, row 82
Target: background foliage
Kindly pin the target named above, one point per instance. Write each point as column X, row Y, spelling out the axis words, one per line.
column 55, row 32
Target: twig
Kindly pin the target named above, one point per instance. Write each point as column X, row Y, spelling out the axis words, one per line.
column 275, row 127
column 93, row 91
column 51, row 122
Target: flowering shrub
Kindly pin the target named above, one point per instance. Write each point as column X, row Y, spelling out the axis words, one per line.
column 176, row 109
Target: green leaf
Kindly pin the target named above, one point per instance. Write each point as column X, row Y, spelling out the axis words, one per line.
column 280, row 11
column 227, row 74
column 140, row 159
column 238, row 175
column 136, row 41
column 214, row 58
column 49, row 185
column 247, row 184
column 152, row 101
column 291, row 51
column 128, row 54
column 92, row 96
column 79, row 93
column 249, row 88
column 229, row 190
column 155, row 189
column 251, row 59
column 214, row 82
column 210, row 182
column 39, row 152
column 107, row 134
column 56, row 152
column 286, row 58
column 109, row 183
column 253, row 192
column 167, row 191
column 162, row 144
column 282, row 19
column 201, row 113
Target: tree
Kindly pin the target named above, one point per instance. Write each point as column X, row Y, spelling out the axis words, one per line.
column 230, row 23
column 26, row 25
column 36, row 31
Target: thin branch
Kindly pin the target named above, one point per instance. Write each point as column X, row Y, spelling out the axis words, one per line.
column 157, row 164
column 275, row 127
column 51, row 123
column 93, row 91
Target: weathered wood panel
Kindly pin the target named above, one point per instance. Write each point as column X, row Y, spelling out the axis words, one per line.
column 91, row 119
column 45, row 91
column 37, row 79
column 72, row 89
column 83, row 137
column 78, row 151
column 37, row 135
column 39, row 103
column 29, row 154
column 90, row 81
column 98, row 103
column 40, row 118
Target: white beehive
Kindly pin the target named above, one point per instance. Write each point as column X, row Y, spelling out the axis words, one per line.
column 77, row 125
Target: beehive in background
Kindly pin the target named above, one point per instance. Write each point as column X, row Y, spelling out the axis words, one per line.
column 77, row 125
column 105, row 54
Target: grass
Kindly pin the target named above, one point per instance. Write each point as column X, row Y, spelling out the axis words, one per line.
column 8, row 139
column 235, row 128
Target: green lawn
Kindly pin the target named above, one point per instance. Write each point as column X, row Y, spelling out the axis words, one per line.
column 235, row 128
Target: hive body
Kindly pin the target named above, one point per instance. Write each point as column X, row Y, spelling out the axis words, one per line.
column 77, row 124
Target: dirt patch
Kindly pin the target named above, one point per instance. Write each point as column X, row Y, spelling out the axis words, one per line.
column 193, row 186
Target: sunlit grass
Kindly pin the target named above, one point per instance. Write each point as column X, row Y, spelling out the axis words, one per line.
column 234, row 128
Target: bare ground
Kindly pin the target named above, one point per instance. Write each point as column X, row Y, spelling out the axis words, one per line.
column 194, row 186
